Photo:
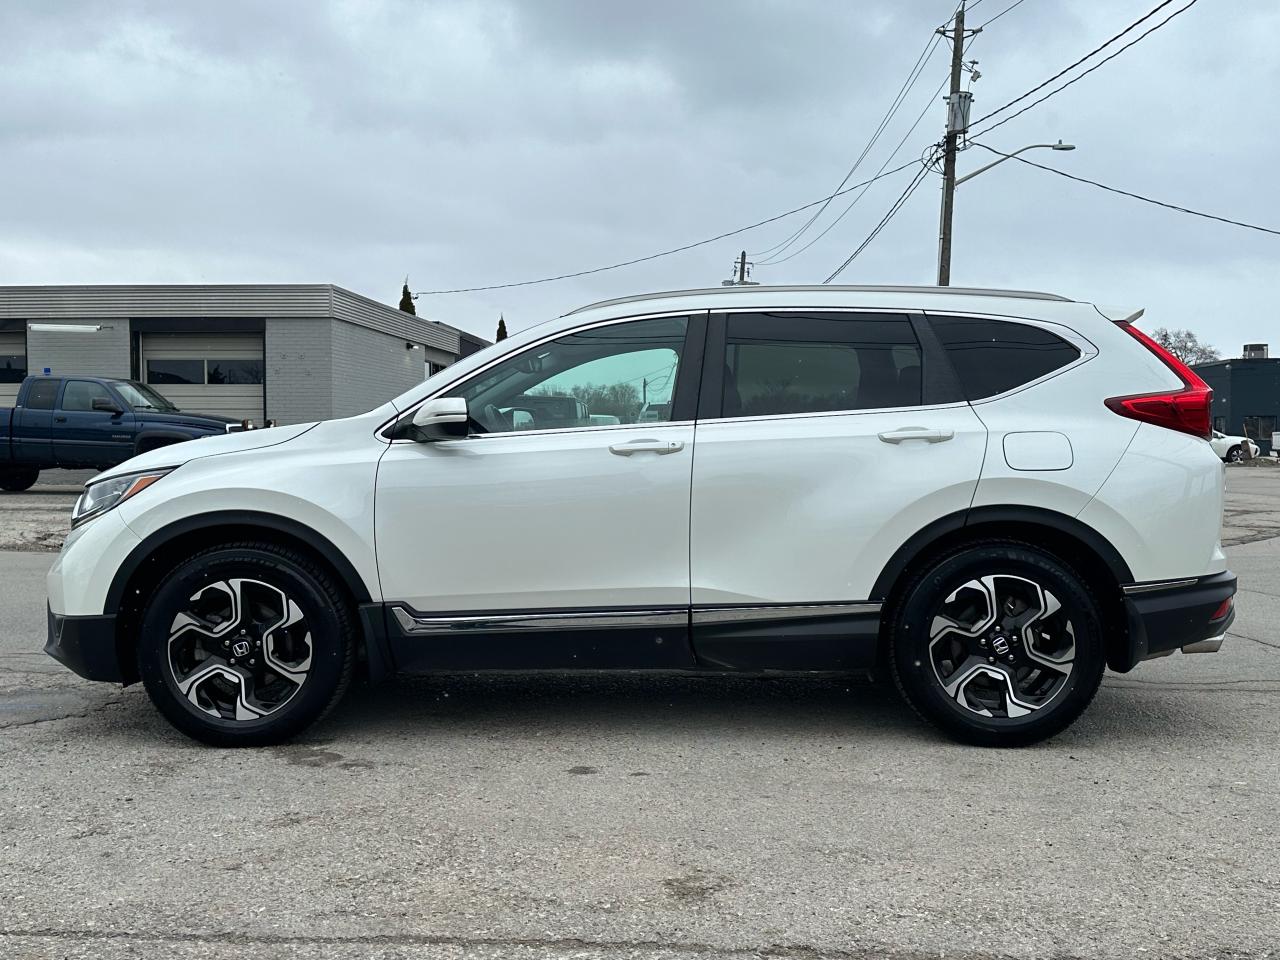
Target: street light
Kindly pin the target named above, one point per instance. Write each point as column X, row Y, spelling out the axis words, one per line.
column 1034, row 146
column 948, row 192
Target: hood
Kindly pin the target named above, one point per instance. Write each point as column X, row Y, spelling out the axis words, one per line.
column 186, row 418
column 177, row 454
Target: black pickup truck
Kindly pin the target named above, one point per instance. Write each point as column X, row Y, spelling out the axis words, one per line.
column 97, row 422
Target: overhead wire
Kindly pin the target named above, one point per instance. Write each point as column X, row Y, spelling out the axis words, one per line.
column 908, row 85
column 664, row 253
column 1132, row 195
column 1068, row 69
column 897, row 205
column 1076, row 79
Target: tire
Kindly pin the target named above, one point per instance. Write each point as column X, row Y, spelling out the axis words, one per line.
column 268, row 605
column 18, row 479
column 951, row 658
column 1234, row 455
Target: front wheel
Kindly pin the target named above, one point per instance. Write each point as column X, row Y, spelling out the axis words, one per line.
column 1235, row 454
column 246, row 645
column 998, row 644
column 18, row 479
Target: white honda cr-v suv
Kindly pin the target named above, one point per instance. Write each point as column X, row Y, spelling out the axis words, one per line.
column 993, row 494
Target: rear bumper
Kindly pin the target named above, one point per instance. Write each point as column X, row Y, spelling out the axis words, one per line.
column 86, row 645
column 1181, row 615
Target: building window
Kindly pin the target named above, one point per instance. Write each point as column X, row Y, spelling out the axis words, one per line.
column 1220, row 424
column 1259, row 428
column 13, row 367
column 175, row 371
column 234, row 371
column 215, row 371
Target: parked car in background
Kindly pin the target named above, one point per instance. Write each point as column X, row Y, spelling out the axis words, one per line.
column 971, row 489
column 78, row 422
column 1233, row 449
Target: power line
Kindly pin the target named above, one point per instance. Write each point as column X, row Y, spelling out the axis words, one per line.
column 1135, row 196
column 1097, row 65
column 913, row 75
column 1000, row 14
column 897, row 205
column 1066, row 70
column 862, row 193
column 673, row 250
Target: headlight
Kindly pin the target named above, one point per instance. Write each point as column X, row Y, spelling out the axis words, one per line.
column 100, row 497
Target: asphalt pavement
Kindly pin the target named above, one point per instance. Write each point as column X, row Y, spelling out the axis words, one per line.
column 652, row 817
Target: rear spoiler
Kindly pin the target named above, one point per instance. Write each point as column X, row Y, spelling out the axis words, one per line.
column 1121, row 314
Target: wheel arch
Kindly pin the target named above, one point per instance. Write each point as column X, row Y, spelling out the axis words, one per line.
column 151, row 559
column 1076, row 543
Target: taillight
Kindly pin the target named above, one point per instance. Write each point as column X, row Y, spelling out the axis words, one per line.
column 1185, row 410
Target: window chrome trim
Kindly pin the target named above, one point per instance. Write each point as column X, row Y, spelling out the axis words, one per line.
column 565, row 332
column 415, row 624
column 764, row 612
column 955, row 405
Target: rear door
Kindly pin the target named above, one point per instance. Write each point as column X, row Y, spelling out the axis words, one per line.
column 825, row 439
column 83, row 436
column 32, row 430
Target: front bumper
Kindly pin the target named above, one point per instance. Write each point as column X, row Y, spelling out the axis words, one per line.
column 1182, row 615
column 87, row 645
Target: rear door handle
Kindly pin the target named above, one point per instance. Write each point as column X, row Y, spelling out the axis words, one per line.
column 927, row 434
column 59, row 419
column 661, row 447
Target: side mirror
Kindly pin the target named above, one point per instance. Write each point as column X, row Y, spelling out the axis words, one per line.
column 444, row 418
column 108, row 406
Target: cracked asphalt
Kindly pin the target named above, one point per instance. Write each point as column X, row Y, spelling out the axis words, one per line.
column 652, row 817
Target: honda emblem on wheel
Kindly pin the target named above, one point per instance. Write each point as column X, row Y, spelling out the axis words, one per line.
column 241, row 648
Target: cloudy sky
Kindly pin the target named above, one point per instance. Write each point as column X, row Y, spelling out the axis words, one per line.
column 475, row 142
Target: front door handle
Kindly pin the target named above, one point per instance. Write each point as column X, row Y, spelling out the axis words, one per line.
column 59, row 419
column 927, row 434
column 660, row 447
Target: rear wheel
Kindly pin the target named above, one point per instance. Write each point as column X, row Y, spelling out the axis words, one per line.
column 246, row 645
column 18, row 479
column 998, row 644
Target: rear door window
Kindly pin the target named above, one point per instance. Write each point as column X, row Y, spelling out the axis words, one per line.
column 41, row 394
column 787, row 363
column 993, row 356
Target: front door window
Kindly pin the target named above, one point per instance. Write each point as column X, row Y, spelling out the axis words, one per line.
column 618, row 374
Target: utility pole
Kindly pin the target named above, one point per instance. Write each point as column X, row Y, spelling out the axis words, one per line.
column 739, row 278
column 957, row 123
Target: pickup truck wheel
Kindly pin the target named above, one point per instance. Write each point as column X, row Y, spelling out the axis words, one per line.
column 246, row 645
column 998, row 644
column 15, row 481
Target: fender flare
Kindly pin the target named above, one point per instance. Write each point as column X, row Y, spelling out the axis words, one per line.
column 919, row 542
column 232, row 518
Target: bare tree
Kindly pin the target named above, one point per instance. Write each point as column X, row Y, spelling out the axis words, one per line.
column 1185, row 345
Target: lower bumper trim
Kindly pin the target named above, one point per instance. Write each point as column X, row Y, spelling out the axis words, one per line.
column 1212, row 645
column 85, row 645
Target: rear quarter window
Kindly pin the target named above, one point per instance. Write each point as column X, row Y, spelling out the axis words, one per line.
column 993, row 356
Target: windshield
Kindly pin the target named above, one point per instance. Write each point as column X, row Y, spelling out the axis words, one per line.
column 141, row 397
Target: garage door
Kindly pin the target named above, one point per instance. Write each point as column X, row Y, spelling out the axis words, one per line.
column 13, row 366
column 219, row 374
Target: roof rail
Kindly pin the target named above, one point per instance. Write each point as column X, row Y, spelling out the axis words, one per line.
column 816, row 287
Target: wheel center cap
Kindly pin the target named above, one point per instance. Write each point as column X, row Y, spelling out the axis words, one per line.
column 240, row 648
column 1000, row 645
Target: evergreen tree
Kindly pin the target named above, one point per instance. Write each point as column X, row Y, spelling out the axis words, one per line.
column 502, row 329
column 406, row 299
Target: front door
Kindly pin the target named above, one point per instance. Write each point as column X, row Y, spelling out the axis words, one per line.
column 562, row 520
column 85, row 437
column 830, row 439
